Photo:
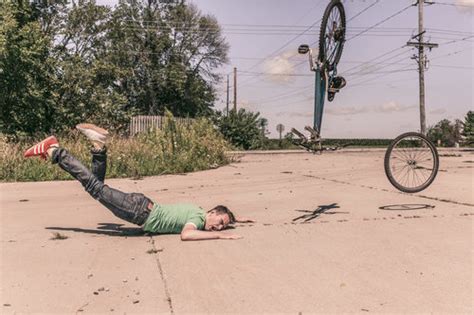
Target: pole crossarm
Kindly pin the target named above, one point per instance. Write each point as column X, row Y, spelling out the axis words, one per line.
column 418, row 44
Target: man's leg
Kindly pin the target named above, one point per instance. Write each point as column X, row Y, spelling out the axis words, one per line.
column 98, row 137
column 99, row 163
column 131, row 207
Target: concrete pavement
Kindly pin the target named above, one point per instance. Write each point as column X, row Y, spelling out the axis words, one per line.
column 332, row 235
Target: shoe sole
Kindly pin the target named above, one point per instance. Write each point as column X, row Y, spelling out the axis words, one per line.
column 97, row 129
column 93, row 132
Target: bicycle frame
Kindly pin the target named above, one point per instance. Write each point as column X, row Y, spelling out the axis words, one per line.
column 320, row 88
column 321, row 80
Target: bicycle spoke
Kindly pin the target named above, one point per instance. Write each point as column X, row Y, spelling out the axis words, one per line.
column 411, row 162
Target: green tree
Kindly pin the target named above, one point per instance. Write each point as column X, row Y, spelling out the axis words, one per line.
column 241, row 128
column 445, row 132
column 168, row 52
column 86, row 78
column 468, row 127
column 61, row 64
column 26, row 71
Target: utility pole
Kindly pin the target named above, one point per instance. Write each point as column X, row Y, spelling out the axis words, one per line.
column 235, row 89
column 227, row 103
column 421, row 61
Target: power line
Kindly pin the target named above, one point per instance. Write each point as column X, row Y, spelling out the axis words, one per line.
column 453, row 67
column 376, row 58
column 383, row 21
column 457, row 40
column 454, row 4
column 403, row 69
column 367, row 8
column 380, row 62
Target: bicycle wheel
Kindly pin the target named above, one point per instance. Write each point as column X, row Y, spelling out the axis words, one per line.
column 332, row 34
column 411, row 162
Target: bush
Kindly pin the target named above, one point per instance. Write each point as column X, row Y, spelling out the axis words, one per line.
column 446, row 133
column 242, row 128
column 174, row 149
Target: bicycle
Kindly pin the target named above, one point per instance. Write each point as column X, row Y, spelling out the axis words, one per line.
column 411, row 161
column 331, row 42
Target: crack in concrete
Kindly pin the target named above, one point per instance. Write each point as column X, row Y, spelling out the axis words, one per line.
column 390, row 191
column 160, row 269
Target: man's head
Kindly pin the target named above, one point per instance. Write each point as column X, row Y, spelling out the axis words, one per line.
column 218, row 218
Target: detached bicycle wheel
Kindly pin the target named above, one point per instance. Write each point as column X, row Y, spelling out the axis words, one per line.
column 411, row 162
column 332, row 34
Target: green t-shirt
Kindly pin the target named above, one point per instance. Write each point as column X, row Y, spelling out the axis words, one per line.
column 170, row 219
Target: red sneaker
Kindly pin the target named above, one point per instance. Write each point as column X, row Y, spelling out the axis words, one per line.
column 41, row 148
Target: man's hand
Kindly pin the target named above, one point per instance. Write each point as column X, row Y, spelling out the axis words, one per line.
column 244, row 220
column 230, row 236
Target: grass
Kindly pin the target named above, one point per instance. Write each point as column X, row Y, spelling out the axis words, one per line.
column 174, row 149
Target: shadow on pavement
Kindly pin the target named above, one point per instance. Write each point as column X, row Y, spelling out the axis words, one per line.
column 110, row 229
column 322, row 209
column 406, row 207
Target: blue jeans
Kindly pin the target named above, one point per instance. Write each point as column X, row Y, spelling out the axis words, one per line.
column 131, row 207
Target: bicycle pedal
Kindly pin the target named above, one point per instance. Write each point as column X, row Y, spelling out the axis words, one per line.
column 299, row 134
column 313, row 132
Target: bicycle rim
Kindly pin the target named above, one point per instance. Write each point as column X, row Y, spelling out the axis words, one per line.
column 332, row 34
column 411, row 162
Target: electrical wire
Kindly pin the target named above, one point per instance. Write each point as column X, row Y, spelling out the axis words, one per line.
column 381, row 22
column 367, row 8
column 376, row 58
column 454, row 4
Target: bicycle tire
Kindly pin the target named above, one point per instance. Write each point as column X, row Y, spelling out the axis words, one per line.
column 323, row 53
column 411, row 163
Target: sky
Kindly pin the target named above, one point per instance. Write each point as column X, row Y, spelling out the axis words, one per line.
column 381, row 99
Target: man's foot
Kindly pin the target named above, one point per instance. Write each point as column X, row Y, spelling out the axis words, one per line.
column 97, row 135
column 41, row 148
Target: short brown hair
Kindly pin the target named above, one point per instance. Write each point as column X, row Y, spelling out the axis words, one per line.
column 223, row 209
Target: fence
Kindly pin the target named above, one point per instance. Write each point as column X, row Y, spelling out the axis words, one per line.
column 140, row 124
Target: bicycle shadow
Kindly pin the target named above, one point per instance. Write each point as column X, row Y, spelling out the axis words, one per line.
column 407, row 207
column 322, row 209
column 110, row 229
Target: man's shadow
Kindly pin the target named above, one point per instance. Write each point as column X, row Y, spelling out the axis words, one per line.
column 322, row 209
column 110, row 229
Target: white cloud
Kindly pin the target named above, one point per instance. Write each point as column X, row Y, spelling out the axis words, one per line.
column 278, row 66
column 393, row 106
column 465, row 5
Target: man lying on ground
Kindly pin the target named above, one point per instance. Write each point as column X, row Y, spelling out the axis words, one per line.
column 186, row 219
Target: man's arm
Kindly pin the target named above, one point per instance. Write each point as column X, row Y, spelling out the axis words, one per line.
column 191, row 233
column 244, row 220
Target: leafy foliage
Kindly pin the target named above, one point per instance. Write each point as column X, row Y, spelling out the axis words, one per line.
column 468, row 131
column 446, row 133
column 242, row 128
column 26, row 71
column 62, row 64
column 176, row 148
